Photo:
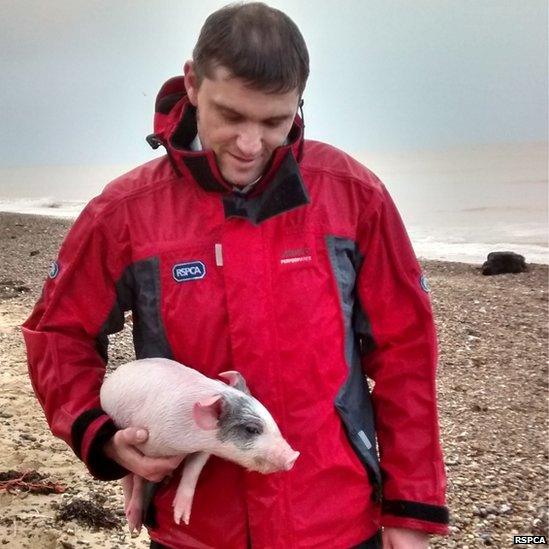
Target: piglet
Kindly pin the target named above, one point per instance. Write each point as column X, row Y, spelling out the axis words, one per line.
column 187, row 413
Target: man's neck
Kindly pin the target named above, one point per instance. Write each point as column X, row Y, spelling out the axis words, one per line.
column 196, row 145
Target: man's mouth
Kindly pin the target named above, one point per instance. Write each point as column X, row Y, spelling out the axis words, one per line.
column 243, row 160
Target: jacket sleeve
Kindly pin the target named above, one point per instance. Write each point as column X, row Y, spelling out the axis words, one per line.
column 64, row 337
column 394, row 296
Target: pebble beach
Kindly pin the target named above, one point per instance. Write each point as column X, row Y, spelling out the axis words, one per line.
column 492, row 386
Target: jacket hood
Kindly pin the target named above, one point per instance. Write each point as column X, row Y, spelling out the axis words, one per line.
column 175, row 129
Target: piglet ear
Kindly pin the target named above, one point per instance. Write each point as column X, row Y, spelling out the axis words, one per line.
column 235, row 379
column 206, row 412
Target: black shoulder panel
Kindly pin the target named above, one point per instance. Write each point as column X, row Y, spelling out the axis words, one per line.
column 138, row 290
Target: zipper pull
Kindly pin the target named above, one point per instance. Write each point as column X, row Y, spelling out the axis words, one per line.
column 218, row 255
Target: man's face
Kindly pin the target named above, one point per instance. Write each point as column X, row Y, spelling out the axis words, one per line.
column 241, row 125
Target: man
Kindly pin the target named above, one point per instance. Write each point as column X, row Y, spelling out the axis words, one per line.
column 248, row 248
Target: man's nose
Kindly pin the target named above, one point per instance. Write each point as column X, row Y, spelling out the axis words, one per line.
column 248, row 143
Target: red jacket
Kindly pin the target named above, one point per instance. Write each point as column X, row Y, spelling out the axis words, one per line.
column 304, row 286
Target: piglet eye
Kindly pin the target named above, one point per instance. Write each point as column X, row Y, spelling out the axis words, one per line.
column 252, row 430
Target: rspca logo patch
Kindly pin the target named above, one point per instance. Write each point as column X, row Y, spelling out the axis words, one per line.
column 54, row 269
column 424, row 284
column 194, row 270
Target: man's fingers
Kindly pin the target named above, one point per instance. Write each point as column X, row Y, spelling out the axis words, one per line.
column 151, row 468
column 133, row 435
column 155, row 469
column 129, row 456
column 174, row 461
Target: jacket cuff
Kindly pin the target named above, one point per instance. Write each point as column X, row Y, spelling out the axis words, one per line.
column 432, row 519
column 89, row 433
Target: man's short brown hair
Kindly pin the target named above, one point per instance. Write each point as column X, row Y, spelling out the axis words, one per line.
column 255, row 42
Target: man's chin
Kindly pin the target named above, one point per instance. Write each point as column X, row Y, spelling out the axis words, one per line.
column 240, row 179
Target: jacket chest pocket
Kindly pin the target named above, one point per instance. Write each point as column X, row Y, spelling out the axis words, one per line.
column 302, row 284
column 193, row 306
column 294, row 259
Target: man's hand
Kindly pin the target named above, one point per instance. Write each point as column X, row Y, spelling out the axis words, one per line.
column 122, row 449
column 404, row 538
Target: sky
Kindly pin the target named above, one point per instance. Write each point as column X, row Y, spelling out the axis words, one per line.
column 78, row 78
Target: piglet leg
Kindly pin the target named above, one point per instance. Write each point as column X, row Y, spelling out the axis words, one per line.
column 127, row 486
column 183, row 499
column 133, row 486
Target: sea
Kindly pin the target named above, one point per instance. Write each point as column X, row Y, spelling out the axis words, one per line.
column 457, row 204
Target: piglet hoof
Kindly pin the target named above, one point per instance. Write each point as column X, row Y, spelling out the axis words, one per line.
column 134, row 519
column 182, row 509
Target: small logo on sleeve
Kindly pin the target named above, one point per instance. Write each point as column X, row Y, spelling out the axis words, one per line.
column 424, row 284
column 54, row 269
column 193, row 270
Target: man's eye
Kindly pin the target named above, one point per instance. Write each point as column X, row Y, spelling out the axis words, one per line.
column 232, row 118
column 273, row 123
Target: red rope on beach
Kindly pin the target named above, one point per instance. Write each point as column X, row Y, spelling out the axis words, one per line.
column 28, row 481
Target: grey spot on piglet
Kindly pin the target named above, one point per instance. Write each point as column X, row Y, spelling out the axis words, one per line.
column 238, row 421
column 236, row 380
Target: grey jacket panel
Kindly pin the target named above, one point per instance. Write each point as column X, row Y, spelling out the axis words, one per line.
column 353, row 401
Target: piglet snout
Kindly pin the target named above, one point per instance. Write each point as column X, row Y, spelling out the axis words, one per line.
column 290, row 463
column 284, row 459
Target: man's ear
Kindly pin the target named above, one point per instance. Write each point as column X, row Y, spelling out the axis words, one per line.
column 191, row 82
